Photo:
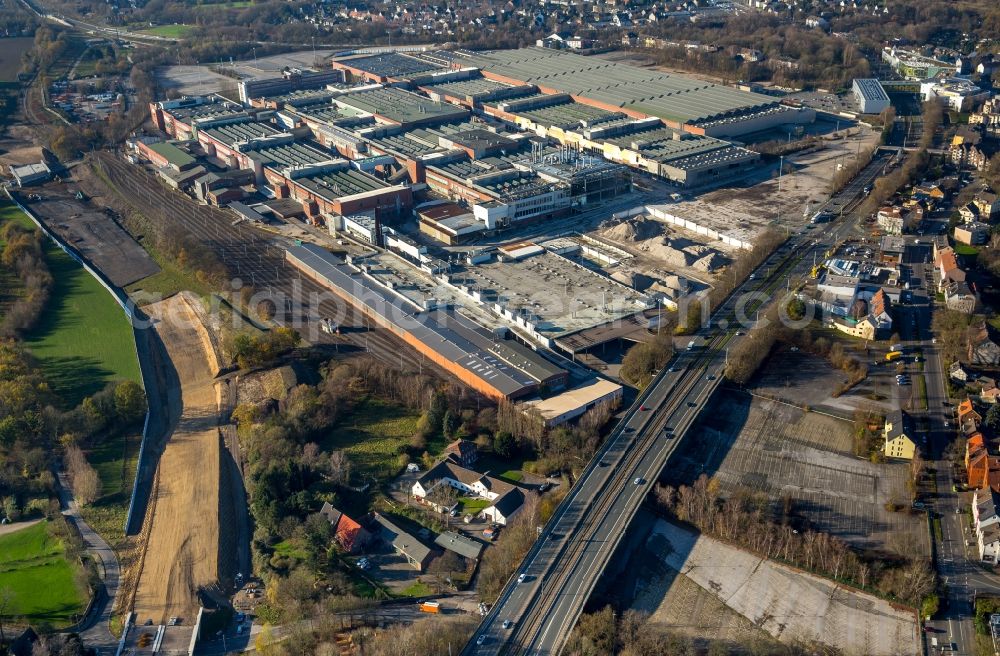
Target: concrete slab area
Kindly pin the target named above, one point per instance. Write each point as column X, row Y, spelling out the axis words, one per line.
column 94, row 234
column 782, row 451
column 786, row 603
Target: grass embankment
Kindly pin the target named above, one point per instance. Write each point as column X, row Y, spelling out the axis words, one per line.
column 83, row 340
column 45, row 586
column 115, row 462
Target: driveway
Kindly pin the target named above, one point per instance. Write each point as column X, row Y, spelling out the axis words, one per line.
column 95, row 629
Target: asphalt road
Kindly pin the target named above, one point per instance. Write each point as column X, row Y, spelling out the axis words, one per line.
column 541, row 606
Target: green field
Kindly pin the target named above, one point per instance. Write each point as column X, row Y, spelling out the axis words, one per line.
column 83, row 340
column 169, row 31
column 44, row 584
column 373, row 435
column 965, row 249
column 11, row 51
column 115, row 462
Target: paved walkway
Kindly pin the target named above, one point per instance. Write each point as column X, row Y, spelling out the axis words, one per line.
column 17, row 526
column 95, row 629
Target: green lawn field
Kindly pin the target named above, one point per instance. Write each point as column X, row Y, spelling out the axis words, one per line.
column 169, row 31
column 42, row 582
column 83, row 340
column 373, row 435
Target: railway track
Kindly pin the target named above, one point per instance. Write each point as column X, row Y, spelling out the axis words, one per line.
column 253, row 258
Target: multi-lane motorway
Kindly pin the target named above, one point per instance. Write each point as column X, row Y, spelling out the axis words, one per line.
column 540, row 605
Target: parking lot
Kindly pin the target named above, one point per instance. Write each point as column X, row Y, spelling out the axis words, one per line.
column 782, row 452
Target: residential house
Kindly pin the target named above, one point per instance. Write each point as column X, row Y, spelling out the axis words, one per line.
column 981, row 349
column 417, row 554
column 896, row 433
column 966, row 412
column 462, row 452
column 960, row 297
column 989, row 392
column 968, row 155
column 972, row 233
column 969, row 213
column 988, row 541
column 891, row 220
column 506, row 507
column 347, row 533
column 946, row 262
column 929, row 192
column 957, row 373
column 982, row 469
column 987, row 524
column 873, row 320
column 988, row 205
column 505, row 498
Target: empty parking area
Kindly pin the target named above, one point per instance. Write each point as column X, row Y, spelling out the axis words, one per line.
column 94, row 234
column 783, row 452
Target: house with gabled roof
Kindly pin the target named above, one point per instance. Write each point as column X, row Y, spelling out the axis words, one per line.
column 506, row 499
column 897, row 436
column 417, row 554
column 462, row 452
column 349, row 535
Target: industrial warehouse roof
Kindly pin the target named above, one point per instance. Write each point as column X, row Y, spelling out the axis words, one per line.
column 667, row 96
column 233, row 133
column 172, row 154
column 421, row 141
column 473, row 87
column 338, row 184
column 401, row 106
column 322, row 113
column 665, row 145
column 292, row 154
column 212, row 109
column 508, row 367
column 570, row 114
column 390, row 64
column 303, row 97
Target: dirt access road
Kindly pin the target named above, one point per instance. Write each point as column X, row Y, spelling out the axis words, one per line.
column 182, row 525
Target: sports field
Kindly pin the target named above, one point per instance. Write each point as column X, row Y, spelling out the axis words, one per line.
column 83, row 340
column 42, row 581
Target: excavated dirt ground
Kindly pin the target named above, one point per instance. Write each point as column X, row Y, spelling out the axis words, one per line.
column 182, row 549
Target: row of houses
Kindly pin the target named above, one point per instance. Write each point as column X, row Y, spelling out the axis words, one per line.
column 983, row 476
column 353, row 538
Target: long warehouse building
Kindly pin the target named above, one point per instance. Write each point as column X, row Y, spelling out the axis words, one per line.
column 498, row 368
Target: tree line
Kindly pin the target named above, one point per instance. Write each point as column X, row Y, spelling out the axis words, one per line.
column 631, row 633
column 744, row 519
column 23, row 256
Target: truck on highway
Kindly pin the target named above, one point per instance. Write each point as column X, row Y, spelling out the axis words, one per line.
column 430, row 607
column 691, row 345
column 897, row 347
column 893, row 355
